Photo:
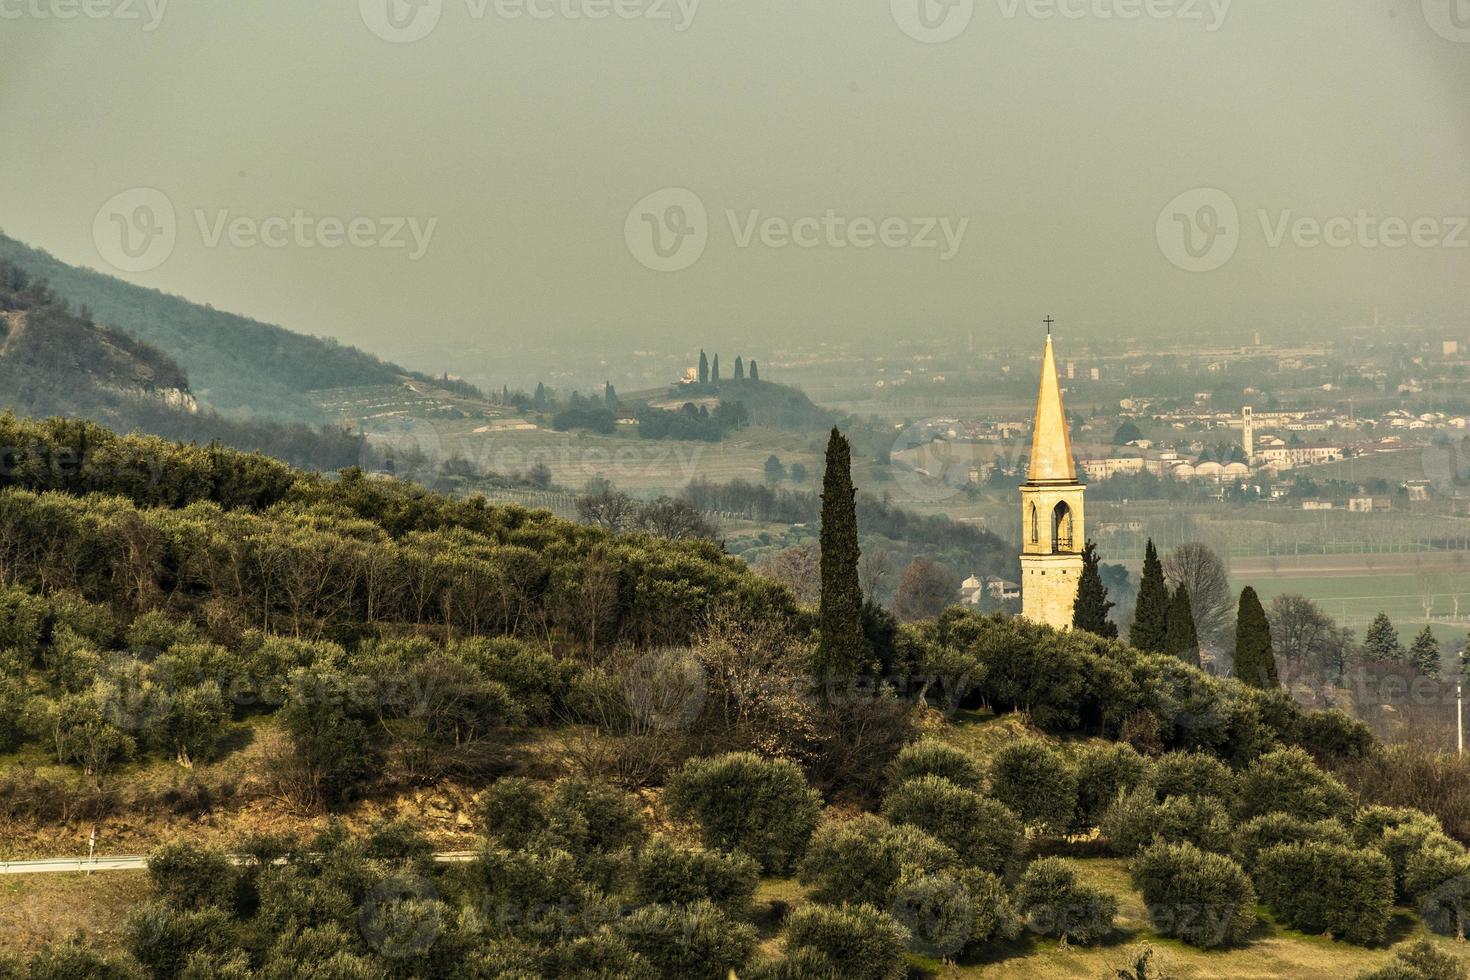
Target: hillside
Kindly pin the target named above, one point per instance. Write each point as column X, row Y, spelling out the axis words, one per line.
column 205, row 653
column 238, row 365
column 55, row 361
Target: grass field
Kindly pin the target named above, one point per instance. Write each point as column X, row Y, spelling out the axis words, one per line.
column 40, row 908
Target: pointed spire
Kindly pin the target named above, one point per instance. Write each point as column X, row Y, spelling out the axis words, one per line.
column 1051, row 446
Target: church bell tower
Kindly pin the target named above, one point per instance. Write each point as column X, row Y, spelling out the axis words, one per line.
column 1052, row 535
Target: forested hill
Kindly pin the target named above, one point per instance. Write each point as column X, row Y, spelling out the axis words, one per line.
column 55, row 361
column 238, row 365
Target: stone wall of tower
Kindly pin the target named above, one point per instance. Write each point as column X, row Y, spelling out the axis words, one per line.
column 1049, row 588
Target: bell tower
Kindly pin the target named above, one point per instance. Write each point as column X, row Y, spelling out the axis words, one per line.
column 1052, row 530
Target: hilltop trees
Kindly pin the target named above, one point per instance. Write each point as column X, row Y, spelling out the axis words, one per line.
column 703, row 368
column 1382, row 640
column 1180, row 638
column 1424, row 653
column 1150, row 617
column 739, row 369
column 714, row 370
column 840, row 619
column 755, row 374
column 1090, row 610
column 1255, row 661
column 1197, row 567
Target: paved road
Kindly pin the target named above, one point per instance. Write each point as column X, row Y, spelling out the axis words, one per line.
column 129, row 863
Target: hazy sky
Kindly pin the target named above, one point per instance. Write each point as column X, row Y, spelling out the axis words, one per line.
column 1038, row 156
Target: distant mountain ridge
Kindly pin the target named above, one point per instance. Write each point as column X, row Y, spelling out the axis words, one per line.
column 240, row 366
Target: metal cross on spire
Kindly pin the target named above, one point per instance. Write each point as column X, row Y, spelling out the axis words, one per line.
column 1048, row 321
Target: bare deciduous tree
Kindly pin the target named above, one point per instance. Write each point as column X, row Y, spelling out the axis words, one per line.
column 1197, row 567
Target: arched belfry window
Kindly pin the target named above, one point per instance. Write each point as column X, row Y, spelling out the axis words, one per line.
column 1035, row 526
column 1061, row 527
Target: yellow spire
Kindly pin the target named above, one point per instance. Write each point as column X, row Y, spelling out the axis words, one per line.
column 1051, row 446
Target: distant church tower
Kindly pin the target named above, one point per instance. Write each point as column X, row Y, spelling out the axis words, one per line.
column 1248, row 434
column 1052, row 534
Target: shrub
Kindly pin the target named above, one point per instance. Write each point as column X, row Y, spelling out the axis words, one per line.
column 215, row 966
column 931, row 757
column 1204, row 899
column 1334, row 734
column 1268, row 830
column 861, row 942
column 1421, row 961
column 1400, row 844
column 513, row 811
column 74, row 960
column 187, row 876
column 670, row 875
column 1104, row 772
column 596, row 957
column 1438, row 879
column 684, row 943
column 1054, row 903
column 1288, row 780
column 860, row 860
column 1370, row 822
column 1319, row 888
column 594, row 817
column 982, row 832
column 1036, row 783
column 1138, row 819
column 1191, row 774
column 162, row 938
column 797, row 964
column 951, row 912
column 760, row 806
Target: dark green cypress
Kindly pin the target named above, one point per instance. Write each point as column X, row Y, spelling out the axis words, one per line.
column 1180, row 638
column 739, row 369
column 1090, row 610
column 1150, row 616
column 714, row 370
column 1255, row 661
column 755, row 371
column 840, row 644
column 703, row 368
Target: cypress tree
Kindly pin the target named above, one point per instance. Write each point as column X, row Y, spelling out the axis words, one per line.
column 714, row 370
column 703, row 368
column 840, row 620
column 1090, row 610
column 739, row 369
column 1180, row 638
column 1424, row 654
column 755, row 374
column 1150, row 616
column 1382, row 640
column 1255, row 662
